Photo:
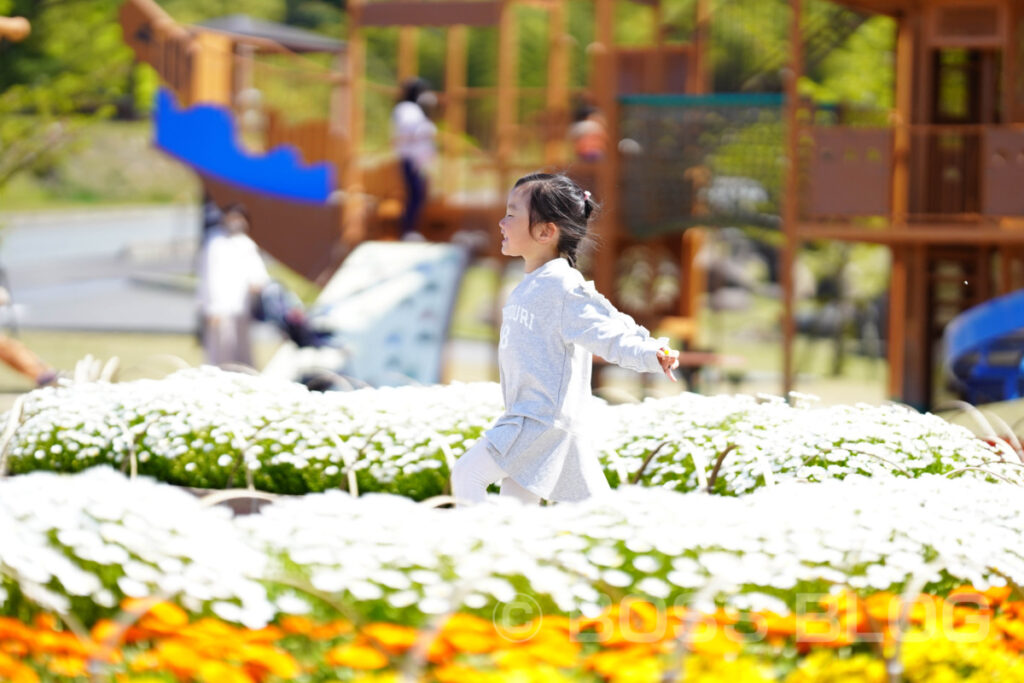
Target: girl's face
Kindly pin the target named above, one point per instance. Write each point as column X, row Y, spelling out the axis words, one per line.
column 516, row 239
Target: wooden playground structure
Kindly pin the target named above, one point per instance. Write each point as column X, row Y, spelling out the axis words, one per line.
column 204, row 66
column 940, row 185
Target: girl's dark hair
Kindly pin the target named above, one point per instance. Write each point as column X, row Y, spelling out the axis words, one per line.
column 555, row 198
column 412, row 88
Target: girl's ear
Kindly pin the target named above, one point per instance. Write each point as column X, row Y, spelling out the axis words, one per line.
column 548, row 232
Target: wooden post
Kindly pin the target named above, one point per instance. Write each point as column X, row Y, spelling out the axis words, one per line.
column 697, row 79
column 455, row 103
column 899, row 283
column 790, row 204
column 692, row 284
column 508, row 96
column 212, row 64
column 353, row 224
column 557, row 84
column 658, row 30
column 604, row 83
column 408, row 60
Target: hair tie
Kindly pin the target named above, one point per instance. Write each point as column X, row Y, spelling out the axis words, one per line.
column 586, row 194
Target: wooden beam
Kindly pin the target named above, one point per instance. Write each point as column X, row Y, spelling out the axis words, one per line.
column 353, row 219
column 956, row 234
column 455, row 101
column 557, row 85
column 440, row 13
column 212, row 64
column 603, row 85
column 408, row 59
column 903, row 118
column 508, row 98
column 697, row 79
column 790, row 206
column 897, row 333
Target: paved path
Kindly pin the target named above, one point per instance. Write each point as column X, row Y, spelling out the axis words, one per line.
column 101, row 269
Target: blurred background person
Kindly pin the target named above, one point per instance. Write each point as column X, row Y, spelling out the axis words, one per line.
column 413, row 136
column 231, row 274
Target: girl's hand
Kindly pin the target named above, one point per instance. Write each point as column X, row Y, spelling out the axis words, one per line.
column 669, row 360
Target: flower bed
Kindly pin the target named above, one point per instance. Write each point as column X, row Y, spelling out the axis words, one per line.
column 851, row 639
column 209, row 429
column 80, row 544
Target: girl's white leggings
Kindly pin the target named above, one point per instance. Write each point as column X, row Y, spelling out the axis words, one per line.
column 476, row 470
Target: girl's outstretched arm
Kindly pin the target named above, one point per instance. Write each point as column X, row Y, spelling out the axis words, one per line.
column 590, row 320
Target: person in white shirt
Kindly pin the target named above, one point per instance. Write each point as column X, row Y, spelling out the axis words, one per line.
column 553, row 323
column 413, row 138
column 230, row 272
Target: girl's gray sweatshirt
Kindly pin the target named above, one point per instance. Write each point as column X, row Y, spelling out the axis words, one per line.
column 552, row 323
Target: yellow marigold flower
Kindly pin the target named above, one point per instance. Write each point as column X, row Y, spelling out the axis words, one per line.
column 701, row 669
column 459, row 673
column 471, row 642
column 392, row 637
column 168, row 613
column 824, row 666
column 70, row 667
column 178, row 656
column 356, row 656
column 220, row 672
column 469, row 622
column 146, row 661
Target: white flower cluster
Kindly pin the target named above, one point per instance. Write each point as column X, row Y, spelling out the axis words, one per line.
column 208, row 428
column 99, row 538
column 62, row 534
column 765, row 439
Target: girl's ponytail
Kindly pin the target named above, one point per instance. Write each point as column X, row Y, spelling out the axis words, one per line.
column 557, row 199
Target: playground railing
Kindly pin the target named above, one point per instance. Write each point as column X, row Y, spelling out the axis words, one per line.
column 958, row 174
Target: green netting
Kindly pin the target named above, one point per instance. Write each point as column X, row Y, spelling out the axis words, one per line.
column 701, row 160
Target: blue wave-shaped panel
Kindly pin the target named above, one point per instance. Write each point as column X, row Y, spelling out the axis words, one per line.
column 984, row 349
column 204, row 137
column 980, row 326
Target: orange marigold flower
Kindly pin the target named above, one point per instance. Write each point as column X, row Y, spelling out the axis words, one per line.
column 394, row 638
column 331, row 630
column 15, row 648
column 14, row 671
column 14, row 629
column 997, row 595
column 272, row 660
column 297, row 625
column 883, row 607
column 45, row 621
column 356, row 656
column 138, row 605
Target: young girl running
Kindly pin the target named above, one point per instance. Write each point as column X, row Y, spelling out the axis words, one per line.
column 551, row 325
